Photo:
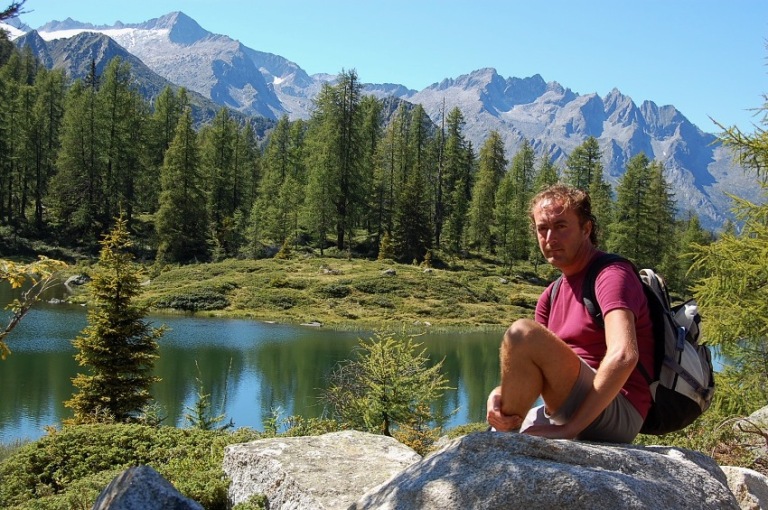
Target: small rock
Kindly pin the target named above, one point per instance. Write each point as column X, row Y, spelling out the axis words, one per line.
column 142, row 487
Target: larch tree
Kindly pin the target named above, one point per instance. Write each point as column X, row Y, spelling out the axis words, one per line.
column 123, row 113
column 390, row 385
column 503, row 221
column 161, row 129
column 335, row 164
column 492, row 165
column 181, row 220
column 44, row 144
column 413, row 230
column 582, row 163
column 118, row 346
column 522, row 172
column 77, row 189
column 733, row 293
column 628, row 232
column 664, row 243
column 269, row 214
column 692, row 235
column 547, row 174
column 458, row 181
column 389, row 173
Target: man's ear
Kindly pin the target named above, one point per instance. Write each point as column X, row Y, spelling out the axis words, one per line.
column 587, row 228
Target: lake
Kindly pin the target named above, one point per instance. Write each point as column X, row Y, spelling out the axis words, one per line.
column 249, row 368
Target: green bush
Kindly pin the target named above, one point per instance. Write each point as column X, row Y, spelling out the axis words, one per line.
column 196, row 301
column 333, row 290
column 380, row 285
column 68, row 467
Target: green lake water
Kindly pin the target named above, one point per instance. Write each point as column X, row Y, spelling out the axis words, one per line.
column 248, row 367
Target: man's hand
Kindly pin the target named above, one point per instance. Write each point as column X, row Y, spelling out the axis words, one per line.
column 497, row 420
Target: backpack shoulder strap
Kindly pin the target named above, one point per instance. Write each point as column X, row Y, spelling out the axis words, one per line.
column 590, row 300
column 588, row 288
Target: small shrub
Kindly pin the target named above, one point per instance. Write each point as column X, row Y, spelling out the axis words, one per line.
column 333, row 290
column 523, row 302
column 66, row 467
column 278, row 282
column 255, row 502
column 200, row 300
column 379, row 285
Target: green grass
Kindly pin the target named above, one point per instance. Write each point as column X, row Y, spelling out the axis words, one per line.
column 350, row 294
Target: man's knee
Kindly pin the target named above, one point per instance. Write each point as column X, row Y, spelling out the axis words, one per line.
column 518, row 334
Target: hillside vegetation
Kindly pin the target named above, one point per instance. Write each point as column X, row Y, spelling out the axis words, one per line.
column 351, row 294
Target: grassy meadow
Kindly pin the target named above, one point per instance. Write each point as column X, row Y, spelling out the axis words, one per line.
column 353, row 294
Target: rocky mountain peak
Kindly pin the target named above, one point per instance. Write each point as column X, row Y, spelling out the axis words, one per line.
column 67, row 24
column 182, row 29
column 551, row 117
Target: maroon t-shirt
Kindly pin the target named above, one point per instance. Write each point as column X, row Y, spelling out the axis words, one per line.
column 617, row 286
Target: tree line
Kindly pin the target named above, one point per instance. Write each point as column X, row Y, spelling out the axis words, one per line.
column 361, row 176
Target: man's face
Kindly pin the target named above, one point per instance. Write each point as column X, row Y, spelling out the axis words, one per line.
column 562, row 240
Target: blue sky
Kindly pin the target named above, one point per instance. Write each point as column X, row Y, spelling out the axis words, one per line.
column 706, row 57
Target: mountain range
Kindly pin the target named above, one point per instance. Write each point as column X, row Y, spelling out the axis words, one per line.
column 175, row 49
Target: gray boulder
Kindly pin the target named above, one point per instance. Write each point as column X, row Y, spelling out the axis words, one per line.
column 749, row 487
column 497, row 470
column 142, row 488
column 323, row 472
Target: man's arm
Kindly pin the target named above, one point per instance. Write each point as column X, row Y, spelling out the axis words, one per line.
column 617, row 365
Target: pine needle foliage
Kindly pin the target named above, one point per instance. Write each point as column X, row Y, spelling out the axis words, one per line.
column 118, row 346
column 389, row 385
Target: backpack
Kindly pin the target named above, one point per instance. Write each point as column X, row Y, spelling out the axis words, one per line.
column 682, row 383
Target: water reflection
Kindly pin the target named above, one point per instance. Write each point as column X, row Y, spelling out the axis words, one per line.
column 249, row 368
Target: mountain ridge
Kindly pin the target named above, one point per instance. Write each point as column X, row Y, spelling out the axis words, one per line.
column 553, row 118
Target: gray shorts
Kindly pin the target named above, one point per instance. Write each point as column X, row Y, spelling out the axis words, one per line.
column 618, row 423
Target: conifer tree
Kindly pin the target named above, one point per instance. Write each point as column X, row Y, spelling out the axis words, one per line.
column 692, row 235
column 268, row 216
column 503, row 216
column 492, row 165
column 181, row 219
column 644, row 214
column 521, row 174
column 161, row 128
column 124, row 113
column 733, row 293
column 546, row 174
column 628, row 232
column 43, row 142
column 582, row 164
column 389, row 173
column 12, row 172
column 458, row 181
column 391, row 384
column 76, row 191
column 335, row 164
column 217, row 155
column 600, row 194
column 412, row 229
column 118, row 346
column 663, row 245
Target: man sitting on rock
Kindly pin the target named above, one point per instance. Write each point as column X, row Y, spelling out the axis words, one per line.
column 584, row 372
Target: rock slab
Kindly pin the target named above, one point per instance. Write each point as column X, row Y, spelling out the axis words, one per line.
column 324, row 472
column 498, row 470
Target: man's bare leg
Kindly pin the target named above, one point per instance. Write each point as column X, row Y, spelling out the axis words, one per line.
column 534, row 361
